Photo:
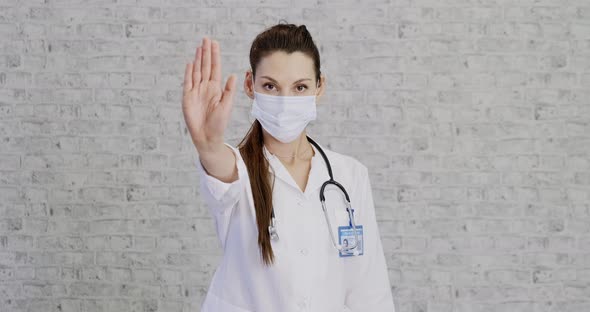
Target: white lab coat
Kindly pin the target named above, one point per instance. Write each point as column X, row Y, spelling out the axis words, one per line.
column 308, row 274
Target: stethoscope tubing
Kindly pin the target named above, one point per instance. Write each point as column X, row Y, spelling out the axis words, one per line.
column 272, row 228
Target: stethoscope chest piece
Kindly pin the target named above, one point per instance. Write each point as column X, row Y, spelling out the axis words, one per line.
column 272, row 230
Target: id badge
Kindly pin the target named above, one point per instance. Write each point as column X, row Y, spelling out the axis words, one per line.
column 346, row 238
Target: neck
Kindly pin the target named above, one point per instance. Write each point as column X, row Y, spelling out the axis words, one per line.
column 299, row 149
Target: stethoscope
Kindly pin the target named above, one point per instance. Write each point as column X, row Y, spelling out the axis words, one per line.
column 272, row 227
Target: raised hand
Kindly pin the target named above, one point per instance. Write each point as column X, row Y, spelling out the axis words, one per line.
column 205, row 105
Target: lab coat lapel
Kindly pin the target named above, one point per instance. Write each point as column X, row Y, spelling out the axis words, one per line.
column 276, row 167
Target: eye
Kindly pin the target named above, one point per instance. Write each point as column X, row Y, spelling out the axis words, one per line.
column 302, row 85
column 267, row 84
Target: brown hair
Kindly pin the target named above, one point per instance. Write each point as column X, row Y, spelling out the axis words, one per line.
column 281, row 37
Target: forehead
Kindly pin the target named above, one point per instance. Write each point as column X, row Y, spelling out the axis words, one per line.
column 286, row 67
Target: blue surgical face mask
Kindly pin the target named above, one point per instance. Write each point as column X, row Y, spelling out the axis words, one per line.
column 284, row 117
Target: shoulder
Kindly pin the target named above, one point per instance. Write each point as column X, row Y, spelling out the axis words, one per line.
column 351, row 173
column 347, row 164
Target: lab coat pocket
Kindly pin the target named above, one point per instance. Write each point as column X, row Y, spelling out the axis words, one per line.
column 336, row 201
column 341, row 216
column 336, row 209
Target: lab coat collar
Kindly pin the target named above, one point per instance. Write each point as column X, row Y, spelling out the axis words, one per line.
column 318, row 173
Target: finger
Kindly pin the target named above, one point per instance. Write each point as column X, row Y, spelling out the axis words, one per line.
column 206, row 63
column 215, row 62
column 188, row 77
column 197, row 68
column 228, row 92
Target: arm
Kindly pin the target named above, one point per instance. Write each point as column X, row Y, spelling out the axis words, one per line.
column 369, row 288
column 221, row 197
column 219, row 161
column 206, row 108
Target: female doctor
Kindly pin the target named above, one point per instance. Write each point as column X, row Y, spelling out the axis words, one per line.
column 281, row 225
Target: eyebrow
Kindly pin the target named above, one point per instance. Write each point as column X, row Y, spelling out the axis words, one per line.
column 271, row 79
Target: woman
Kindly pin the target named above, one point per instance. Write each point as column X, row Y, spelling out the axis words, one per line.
column 287, row 262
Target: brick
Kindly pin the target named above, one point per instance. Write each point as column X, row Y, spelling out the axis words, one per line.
column 471, row 116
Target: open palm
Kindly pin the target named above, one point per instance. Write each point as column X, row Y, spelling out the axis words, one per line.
column 205, row 105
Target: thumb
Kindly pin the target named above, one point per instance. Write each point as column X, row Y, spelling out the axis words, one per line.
column 228, row 92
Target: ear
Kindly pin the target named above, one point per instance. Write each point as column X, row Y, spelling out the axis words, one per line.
column 248, row 87
column 322, row 87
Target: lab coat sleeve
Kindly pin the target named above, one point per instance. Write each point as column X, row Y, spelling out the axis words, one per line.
column 370, row 290
column 221, row 197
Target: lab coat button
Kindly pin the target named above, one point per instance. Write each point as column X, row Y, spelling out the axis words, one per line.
column 303, row 251
column 302, row 304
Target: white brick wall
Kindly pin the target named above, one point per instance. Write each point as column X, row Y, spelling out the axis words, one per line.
column 472, row 116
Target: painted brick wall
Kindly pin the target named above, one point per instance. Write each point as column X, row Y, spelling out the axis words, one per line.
column 473, row 117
